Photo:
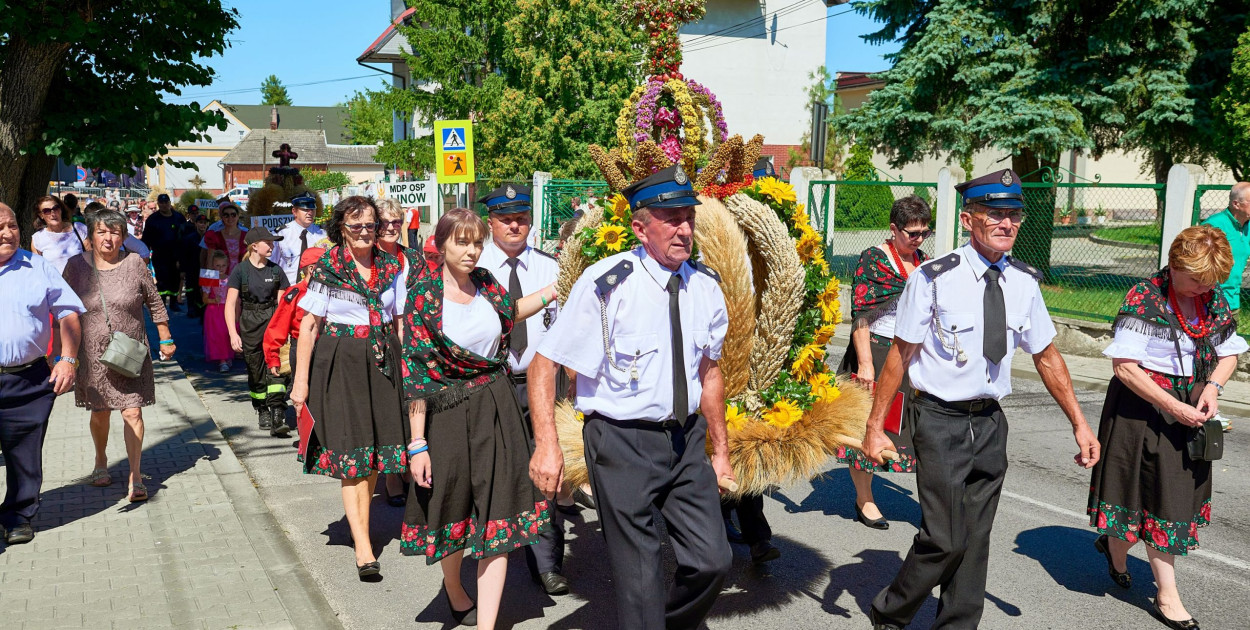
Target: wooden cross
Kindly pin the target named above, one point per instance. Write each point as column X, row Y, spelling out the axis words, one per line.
column 198, row 181
column 285, row 155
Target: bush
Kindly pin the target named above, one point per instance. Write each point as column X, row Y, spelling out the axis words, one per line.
column 189, row 197
column 862, row 207
column 326, row 180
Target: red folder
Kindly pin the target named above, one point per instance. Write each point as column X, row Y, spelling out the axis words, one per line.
column 893, row 419
column 303, row 426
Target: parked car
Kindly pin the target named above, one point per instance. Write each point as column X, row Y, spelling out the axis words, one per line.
column 240, row 195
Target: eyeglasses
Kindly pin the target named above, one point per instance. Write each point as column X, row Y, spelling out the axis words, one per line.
column 229, row 215
column 48, row 210
column 920, row 234
column 387, row 225
column 994, row 217
column 361, row 227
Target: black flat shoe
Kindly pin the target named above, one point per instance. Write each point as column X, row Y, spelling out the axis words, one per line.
column 463, row 617
column 1123, row 580
column 368, row 569
column 732, row 534
column 23, row 533
column 880, row 523
column 583, row 499
column 763, row 551
column 553, row 583
column 1188, row 624
column 397, row 500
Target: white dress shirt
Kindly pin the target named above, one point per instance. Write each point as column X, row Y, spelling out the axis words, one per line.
column 536, row 269
column 934, row 368
column 343, row 306
column 32, row 289
column 639, row 338
column 286, row 252
column 1159, row 355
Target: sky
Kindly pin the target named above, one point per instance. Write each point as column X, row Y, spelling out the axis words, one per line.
column 317, row 41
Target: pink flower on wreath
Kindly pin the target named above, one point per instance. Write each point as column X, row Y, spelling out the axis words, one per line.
column 667, row 118
column 671, row 147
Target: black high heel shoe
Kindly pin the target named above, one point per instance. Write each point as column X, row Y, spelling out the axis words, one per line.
column 462, row 617
column 1123, row 580
column 1188, row 624
column 878, row 523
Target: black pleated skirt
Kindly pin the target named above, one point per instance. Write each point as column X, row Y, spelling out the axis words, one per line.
column 481, row 500
column 360, row 421
column 1145, row 486
column 880, row 346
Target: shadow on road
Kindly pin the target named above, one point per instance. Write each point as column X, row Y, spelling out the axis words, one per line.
column 1068, row 556
column 832, row 494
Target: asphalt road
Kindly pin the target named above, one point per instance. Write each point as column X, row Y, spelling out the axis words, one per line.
column 1044, row 572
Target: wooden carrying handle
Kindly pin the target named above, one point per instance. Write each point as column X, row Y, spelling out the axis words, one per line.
column 859, row 446
column 727, row 484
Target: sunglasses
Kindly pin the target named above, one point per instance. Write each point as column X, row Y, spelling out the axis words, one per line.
column 51, row 210
column 229, row 215
column 387, row 225
column 361, row 227
column 922, row 233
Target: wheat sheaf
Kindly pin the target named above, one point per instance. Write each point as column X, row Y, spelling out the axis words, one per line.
column 723, row 247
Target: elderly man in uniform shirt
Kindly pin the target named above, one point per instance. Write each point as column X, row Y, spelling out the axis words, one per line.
column 29, row 382
column 524, row 270
column 958, row 355
column 297, row 235
column 643, row 330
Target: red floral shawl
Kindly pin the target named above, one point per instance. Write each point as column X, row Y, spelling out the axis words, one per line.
column 878, row 285
column 435, row 369
column 337, row 270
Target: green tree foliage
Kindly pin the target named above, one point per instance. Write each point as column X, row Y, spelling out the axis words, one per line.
column 822, row 90
column 325, row 180
column 1232, row 113
column 542, row 79
column 861, row 207
column 368, row 118
column 84, row 81
column 272, row 92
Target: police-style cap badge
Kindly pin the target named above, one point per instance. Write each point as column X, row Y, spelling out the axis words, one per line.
column 1000, row 189
column 668, row 188
column 763, row 168
column 507, row 199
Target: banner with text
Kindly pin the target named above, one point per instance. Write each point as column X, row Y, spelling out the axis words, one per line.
column 273, row 222
column 412, row 194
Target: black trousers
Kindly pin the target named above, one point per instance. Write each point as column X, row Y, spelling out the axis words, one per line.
column 266, row 390
column 26, row 399
column 751, row 521
column 546, row 555
column 963, row 460
column 168, row 280
column 634, row 471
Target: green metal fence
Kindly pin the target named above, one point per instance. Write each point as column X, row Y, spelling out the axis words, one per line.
column 1210, row 199
column 1092, row 241
column 561, row 198
column 859, row 217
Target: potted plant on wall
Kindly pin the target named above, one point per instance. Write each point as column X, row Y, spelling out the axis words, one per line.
column 1082, row 217
column 1101, row 215
column 1065, row 216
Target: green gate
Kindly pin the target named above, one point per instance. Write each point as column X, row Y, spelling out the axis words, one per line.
column 561, row 197
column 860, row 216
column 1209, row 199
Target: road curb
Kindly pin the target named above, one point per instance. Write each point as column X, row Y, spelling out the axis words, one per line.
column 299, row 593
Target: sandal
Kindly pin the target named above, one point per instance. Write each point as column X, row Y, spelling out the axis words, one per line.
column 138, row 492
column 100, row 478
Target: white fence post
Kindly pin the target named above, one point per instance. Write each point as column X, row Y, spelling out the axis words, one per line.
column 540, row 210
column 1178, row 205
column 801, row 178
column 946, row 212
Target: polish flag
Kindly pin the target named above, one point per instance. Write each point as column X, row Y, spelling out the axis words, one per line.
column 210, row 278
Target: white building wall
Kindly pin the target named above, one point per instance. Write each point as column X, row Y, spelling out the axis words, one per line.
column 760, row 71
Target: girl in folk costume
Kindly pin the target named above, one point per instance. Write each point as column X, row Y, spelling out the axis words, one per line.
column 471, row 445
column 216, row 334
column 1175, row 346
column 879, row 280
column 352, row 389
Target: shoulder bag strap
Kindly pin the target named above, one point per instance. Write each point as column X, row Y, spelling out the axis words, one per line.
column 100, row 284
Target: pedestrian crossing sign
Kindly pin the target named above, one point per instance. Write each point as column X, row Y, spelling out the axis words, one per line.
column 453, row 152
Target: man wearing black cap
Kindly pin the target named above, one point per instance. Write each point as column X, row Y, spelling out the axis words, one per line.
column 643, row 330
column 161, row 233
column 525, row 270
column 251, row 298
column 957, row 351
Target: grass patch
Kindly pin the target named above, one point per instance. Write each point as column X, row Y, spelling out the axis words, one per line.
column 1101, row 304
column 1139, row 234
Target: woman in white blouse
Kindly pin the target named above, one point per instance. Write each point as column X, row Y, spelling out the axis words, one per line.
column 1175, row 346
column 58, row 239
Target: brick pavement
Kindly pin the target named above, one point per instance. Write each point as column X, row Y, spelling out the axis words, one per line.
column 195, row 555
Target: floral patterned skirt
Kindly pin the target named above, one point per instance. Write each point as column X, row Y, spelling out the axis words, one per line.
column 360, row 424
column 481, row 500
column 855, row 459
column 1145, row 485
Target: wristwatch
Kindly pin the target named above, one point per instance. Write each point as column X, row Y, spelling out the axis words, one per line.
column 70, row 360
column 1219, row 389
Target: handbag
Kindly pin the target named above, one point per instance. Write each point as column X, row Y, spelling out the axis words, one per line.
column 124, row 355
column 1206, row 443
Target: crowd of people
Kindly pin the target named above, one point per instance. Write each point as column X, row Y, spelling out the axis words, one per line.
column 439, row 364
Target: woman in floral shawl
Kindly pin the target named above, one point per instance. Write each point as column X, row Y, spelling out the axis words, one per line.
column 1175, row 346
column 879, row 281
column 472, row 490
column 353, row 387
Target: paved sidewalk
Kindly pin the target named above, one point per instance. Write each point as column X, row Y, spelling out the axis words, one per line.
column 202, row 552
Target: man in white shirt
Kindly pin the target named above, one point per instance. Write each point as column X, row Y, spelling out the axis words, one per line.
column 297, row 236
column 524, row 270
column 959, row 321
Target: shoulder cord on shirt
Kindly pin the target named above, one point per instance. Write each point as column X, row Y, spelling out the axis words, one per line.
column 953, row 346
column 607, row 347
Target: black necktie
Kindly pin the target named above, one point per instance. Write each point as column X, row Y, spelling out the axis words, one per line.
column 520, row 335
column 303, row 242
column 681, row 404
column 995, row 342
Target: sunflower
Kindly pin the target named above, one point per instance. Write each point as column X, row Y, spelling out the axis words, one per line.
column 775, row 188
column 799, row 217
column 823, row 388
column 618, row 207
column 610, row 236
column 810, row 245
column 783, row 414
column 822, row 335
column 830, row 306
column 734, row 418
column 807, row 361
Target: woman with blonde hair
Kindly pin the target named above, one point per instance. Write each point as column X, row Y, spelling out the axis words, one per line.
column 1175, row 346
